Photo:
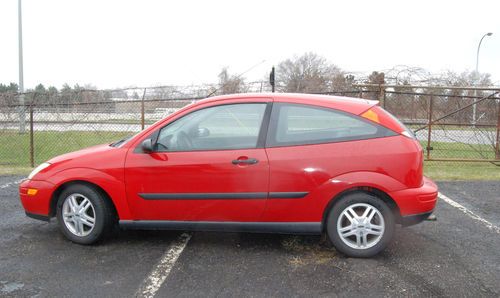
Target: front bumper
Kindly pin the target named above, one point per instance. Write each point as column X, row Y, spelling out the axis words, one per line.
column 38, row 216
column 416, row 203
column 38, row 205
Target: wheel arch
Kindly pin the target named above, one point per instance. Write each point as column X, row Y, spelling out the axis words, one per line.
column 362, row 189
column 55, row 195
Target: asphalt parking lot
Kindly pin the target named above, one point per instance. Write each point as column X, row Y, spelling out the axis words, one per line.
column 458, row 254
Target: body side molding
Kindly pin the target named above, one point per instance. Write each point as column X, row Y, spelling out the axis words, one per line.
column 222, row 196
column 226, row 226
column 288, row 195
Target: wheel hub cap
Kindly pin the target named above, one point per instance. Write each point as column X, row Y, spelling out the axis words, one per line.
column 361, row 226
column 78, row 215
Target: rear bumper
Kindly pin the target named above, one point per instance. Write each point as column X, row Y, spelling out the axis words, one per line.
column 416, row 202
column 411, row 220
column 36, row 206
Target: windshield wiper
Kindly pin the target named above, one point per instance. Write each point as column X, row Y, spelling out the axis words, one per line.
column 118, row 143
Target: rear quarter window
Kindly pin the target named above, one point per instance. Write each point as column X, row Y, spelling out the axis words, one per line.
column 297, row 124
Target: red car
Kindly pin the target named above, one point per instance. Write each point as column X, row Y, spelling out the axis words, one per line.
column 273, row 163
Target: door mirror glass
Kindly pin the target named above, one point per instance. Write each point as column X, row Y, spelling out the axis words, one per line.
column 203, row 132
column 147, row 146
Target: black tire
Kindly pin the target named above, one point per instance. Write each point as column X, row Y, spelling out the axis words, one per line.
column 104, row 215
column 355, row 199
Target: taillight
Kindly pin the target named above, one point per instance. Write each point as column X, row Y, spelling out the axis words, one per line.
column 371, row 115
column 382, row 117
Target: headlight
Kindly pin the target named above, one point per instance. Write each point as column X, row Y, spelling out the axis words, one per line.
column 38, row 169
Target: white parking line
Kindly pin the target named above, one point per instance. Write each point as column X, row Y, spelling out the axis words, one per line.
column 155, row 279
column 11, row 183
column 471, row 214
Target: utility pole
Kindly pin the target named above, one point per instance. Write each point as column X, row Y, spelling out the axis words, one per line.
column 22, row 110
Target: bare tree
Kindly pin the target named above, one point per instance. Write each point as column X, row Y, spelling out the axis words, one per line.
column 311, row 73
column 464, row 79
column 403, row 75
column 229, row 84
column 376, row 78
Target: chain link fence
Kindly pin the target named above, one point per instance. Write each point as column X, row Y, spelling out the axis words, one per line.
column 453, row 124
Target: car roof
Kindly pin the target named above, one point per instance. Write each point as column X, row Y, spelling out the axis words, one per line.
column 347, row 104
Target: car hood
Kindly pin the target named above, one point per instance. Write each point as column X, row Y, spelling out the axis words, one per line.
column 81, row 153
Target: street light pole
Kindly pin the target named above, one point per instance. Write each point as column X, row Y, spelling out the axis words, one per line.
column 478, row 48
column 22, row 111
column 477, row 74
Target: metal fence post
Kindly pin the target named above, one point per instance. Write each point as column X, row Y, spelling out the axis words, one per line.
column 429, row 128
column 32, row 148
column 497, row 143
column 381, row 95
column 385, row 98
column 142, row 109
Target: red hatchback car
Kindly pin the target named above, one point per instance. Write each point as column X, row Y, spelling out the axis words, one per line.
column 273, row 163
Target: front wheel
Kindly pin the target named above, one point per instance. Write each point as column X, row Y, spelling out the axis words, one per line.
column 83, row 214
column 360, row 225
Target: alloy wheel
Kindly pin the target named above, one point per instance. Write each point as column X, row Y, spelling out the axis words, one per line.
column 78, row 215
column 360, row 226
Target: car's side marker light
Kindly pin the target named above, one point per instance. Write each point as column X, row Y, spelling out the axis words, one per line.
column 32, row 191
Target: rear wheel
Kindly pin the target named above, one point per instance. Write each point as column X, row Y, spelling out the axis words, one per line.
column 84, row 214
column 360, row 225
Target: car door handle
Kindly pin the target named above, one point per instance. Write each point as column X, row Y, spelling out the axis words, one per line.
column 248, row 161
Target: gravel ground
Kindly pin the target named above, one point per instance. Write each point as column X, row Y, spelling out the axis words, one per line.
column 455, row 255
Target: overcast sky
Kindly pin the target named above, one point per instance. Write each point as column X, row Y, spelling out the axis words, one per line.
column 144, row 43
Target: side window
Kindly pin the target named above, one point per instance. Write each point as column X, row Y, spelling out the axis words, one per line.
column 296, row 124
column 234, row 126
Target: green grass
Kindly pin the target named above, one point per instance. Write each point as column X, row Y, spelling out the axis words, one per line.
column 15, row 159
column 457, row 170
column 15, row 170
column 14, row 147
column 445, row 171
column 459, row 150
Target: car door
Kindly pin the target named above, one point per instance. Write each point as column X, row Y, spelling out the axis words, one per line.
column 208, row 165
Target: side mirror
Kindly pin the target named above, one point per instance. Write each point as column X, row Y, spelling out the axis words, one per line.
column 203, row 132
column 147, row 146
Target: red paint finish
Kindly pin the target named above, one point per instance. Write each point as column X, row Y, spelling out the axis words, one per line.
column 38, row 204
column 390, row 164
column 196, row 172
column 324, row 170
column 416, row 200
